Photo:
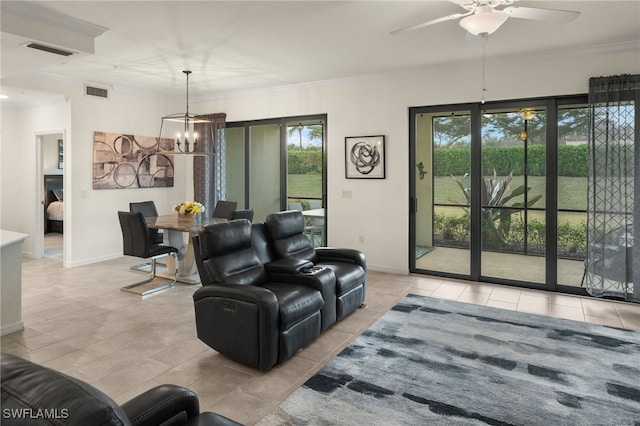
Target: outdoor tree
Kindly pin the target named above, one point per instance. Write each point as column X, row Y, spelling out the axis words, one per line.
column 451, row 130
column 313, row 132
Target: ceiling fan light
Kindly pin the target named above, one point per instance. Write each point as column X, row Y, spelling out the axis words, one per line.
column 484, row 23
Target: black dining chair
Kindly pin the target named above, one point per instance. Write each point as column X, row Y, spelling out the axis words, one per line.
column 242, row 214
column 136, row 241
column 148, row 209
column 224, row 209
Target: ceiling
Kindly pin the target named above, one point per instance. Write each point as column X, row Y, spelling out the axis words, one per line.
column 239, row 46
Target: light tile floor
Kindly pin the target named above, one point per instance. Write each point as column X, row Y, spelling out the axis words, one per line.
column 78, row 321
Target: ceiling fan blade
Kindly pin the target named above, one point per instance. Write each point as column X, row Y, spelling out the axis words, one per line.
column 433, row 21
column 553, row 15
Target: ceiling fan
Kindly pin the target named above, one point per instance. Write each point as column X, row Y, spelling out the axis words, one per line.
column 482, row 17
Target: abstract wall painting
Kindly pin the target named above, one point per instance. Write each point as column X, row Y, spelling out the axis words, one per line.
column 131, row 161
column 364, row 157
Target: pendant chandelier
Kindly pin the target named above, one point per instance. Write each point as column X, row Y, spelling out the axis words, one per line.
column 182, row 126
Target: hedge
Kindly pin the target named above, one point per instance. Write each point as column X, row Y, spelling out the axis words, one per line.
column 573, row 160
column 305, row 162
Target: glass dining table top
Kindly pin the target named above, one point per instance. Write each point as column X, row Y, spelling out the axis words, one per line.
column 173, row 222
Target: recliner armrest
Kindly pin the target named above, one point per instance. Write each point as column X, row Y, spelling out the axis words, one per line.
column 287, row 266
column 239, row 321
column 245, row 293
column 170, row 402
column 160, row 404
column 326, row 254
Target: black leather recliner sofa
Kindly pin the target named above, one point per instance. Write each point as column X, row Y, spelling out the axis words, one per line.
column 286, row 237
column 242, row 311
column 258, row 307
column 36, row 395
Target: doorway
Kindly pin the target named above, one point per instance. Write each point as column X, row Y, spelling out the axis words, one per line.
column 50, row 195
column 280, row 164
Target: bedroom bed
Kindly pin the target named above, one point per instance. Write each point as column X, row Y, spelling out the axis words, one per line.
column 53, row 204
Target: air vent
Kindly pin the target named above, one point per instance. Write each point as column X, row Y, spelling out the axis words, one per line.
column 49, row 49
column 96, row 91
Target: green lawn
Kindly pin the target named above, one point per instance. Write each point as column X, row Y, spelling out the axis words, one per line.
column 572, row 191
column 305, row 186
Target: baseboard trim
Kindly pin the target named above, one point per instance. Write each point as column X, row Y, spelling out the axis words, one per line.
column 11, row 328
column 91, row 261
column 388, row 270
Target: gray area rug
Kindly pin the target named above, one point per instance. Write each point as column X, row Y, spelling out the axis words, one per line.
column 438, row 362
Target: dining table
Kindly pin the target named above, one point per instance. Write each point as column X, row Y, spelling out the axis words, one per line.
column 314, row 213
column 176, row 229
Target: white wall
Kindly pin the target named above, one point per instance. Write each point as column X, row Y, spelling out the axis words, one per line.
column 20, row 170
column 92, row 232
column 378, row 105
column 378, row 209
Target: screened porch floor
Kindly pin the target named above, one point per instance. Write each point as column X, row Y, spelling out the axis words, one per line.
column 515, row 267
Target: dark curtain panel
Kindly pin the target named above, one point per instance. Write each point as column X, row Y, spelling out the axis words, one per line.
column 205, row 184
column 612, row 269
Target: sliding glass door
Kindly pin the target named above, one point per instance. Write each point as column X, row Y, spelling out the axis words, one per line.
column 305, row 176
column 513, row 194
column 276, row 162
column 491, row 185
column 236, row 155
column 573, row 173
column 264, row 174
column 443, row 194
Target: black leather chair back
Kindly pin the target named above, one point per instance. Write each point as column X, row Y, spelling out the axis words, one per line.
column 286, row 233
column 228, row 256
column 148, row 209
column 27, row 385
column 261, row 242
column 242, row 214
column 136, row 239
column 224, row 209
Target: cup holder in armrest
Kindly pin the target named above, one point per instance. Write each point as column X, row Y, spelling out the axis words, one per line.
column 312, row 270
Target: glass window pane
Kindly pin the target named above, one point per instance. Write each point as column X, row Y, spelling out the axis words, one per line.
column 443, row 227
column 235, row 165
column 265, row 170
column 512, row 198
column 304, row 176
column 573, row 172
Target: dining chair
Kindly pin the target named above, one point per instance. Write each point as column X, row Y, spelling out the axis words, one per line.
column 295, row 206
column 315, row 204
column 224, row 209
column 136, row 241
column 316, row 232
column 148, row 209
column 242, row 214
column 317, row 224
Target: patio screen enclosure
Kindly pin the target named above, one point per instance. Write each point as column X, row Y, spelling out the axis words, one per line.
column 612, row 267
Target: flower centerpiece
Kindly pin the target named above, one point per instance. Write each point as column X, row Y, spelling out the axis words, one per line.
column 189, row 210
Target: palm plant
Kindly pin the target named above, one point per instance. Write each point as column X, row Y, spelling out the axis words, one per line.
column 496, row 215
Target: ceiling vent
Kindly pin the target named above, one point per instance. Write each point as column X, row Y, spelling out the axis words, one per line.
column 50, row 49
column 98, row 92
